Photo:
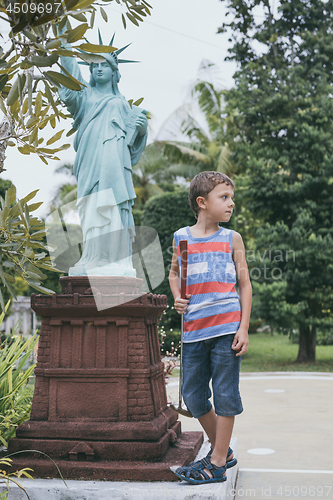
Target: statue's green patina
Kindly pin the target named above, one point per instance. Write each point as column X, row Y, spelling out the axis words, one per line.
column 110, row 137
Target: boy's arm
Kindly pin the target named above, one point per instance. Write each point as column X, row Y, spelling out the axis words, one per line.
column 180, row 304
column 241, row 340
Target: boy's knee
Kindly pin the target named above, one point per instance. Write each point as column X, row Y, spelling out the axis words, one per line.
column 196, row 407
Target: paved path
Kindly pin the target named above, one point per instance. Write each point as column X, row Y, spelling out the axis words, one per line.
column 285, row 435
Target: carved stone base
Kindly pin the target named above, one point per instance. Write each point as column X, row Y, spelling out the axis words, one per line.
column 99, row 405
column 181, row 453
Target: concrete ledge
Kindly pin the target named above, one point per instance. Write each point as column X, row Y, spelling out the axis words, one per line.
column 55, row 489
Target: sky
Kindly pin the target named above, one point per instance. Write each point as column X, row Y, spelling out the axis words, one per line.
column 170, row 45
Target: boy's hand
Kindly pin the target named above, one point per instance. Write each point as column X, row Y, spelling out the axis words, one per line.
column 181, row 304
column 241, row 342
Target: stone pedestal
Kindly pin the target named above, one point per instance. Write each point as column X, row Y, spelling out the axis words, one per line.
column 99, row 408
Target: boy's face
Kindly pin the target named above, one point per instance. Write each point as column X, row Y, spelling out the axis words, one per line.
column 218, row 204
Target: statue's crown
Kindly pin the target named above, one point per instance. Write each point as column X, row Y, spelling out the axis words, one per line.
column 110, row 56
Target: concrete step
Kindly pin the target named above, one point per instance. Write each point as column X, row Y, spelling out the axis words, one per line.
column 279, row 484
column 55, row 489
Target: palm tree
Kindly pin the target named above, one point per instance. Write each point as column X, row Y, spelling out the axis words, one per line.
column 66, row 192
column 148, row 173
column 202, row 144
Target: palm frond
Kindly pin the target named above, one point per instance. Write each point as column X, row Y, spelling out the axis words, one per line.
column 185, row 153
column 223, row 164
column 187, row 171
column 65, row 168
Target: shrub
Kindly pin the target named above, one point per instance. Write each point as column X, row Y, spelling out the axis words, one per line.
column 15, row 395
column 166, row 213
column 325, row 337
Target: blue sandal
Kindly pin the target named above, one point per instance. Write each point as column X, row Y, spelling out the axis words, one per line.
column 202, row 463
column 232, row 461
column 195, row 476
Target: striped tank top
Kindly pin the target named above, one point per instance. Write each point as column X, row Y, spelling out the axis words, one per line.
column 214, row 307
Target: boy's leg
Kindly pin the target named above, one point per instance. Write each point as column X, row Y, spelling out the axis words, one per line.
column 225, row 367
column 196, row 377
column 208, row 422
column 219, row 432
column 224, row 427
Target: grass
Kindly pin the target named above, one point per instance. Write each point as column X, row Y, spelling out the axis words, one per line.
column 277, row 353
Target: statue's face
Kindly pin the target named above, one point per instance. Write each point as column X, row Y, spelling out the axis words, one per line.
column 102, row 72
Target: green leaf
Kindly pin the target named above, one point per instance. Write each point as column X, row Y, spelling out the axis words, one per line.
column 29, row 196
column 69, row 83
column 44, row 20
column 19, row 27
column 13, row 93
column 9, row 278
column 70, row 76
column 3, row 81
column 136, row 15
column 55, row 138
column 83, row 4
column 77, row 33
column 39, row 235
column 43, row 159
column 62, row 24
column 71, row 132
column 92, row 19
column 25, row 150
column 11, row 192
column 42, row 62
column 33, row 136
column 30, row 35
column 38, row 103
column 2, row 303
column 132, row 18
column 34, row 206
column 146, row 3
column 30, row 92
column 36, row 285
column 98, row 49
column 2, row 106
column 53, row 43
column 65, row 52
column 32, row 122
column 50, row 97
column 138, row 102
column 104, row 14
column 90, row 58
column 79, row 17
column 8, row 263
column 37, row 274
column 8, row 245
column 52, row 121
column 25, row 106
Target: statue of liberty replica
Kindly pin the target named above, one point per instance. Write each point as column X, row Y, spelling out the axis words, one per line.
column 110, row 137
column 99, row 337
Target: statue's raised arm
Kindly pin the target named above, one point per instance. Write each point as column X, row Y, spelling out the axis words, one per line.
column 110, row 138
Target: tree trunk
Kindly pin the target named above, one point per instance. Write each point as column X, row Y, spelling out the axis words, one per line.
column 4, row 132
column 307, row 344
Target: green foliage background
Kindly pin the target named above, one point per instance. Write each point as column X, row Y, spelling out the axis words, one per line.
column 166, row 213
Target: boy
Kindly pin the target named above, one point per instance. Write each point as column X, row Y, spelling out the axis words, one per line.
column 216, row 320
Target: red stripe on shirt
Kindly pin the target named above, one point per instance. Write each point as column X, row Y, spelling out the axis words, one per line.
column 210, row 287
column 210, row 246
column 215, row 320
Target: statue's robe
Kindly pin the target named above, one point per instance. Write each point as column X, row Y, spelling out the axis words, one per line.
column 103, row 169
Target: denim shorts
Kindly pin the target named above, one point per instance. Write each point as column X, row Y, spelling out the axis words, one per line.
column 206, row 360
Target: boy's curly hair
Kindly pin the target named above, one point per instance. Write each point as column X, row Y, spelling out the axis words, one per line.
column 202, row 184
